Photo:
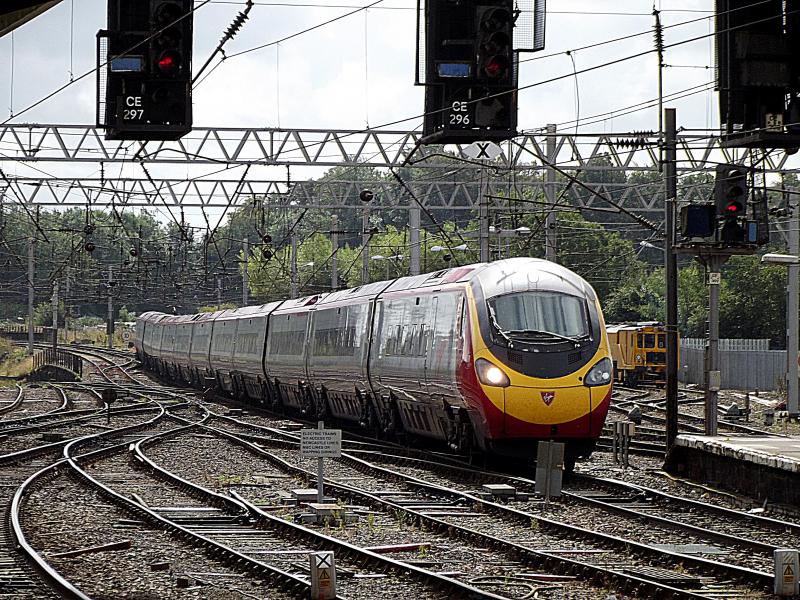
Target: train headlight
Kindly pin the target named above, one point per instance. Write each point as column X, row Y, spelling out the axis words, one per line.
column 490, row 374
column 600, row 374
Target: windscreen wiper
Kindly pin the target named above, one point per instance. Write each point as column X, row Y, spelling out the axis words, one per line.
column 499, row 329
column 566, row 338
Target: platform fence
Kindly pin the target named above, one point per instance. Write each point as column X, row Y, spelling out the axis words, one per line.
column 739, row 369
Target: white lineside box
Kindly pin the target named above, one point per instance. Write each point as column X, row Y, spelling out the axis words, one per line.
column 787, row 567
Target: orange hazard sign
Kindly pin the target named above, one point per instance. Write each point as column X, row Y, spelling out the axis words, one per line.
column 788, row 574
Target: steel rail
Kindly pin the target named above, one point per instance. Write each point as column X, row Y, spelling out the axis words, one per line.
column 777, row 525
column 15, row 402
column 51, row 575
column 629, row 583
column 215, row 549
column 353, row 552
column 703, row 565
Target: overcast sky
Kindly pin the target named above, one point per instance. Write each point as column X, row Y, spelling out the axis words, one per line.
column 359, row 70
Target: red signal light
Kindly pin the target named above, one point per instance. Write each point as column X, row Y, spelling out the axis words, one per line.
column 496, row 66
column 169, row 62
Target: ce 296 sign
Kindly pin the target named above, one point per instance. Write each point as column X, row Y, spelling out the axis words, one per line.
column 460, row 115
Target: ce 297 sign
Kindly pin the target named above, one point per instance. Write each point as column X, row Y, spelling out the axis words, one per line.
column 460, row 115
column 132, row 108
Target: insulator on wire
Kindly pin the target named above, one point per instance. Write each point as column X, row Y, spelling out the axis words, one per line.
column 640, row 140
column 237, row 23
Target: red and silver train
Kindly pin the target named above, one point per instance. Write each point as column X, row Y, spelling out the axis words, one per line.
column 488, row 356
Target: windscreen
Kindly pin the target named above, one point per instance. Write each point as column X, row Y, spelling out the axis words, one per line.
column 541, row 311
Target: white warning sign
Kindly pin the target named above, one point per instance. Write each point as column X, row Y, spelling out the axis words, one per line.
column 320, row 443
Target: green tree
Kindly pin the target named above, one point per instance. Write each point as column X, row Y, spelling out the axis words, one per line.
column 753, row 300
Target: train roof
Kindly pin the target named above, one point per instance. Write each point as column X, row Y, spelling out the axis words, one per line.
column 525, row 274
column 151, row 316
column 257, row 310
column 496, row 278
column 617, row 327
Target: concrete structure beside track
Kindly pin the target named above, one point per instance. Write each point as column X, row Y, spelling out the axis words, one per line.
column 767, row 468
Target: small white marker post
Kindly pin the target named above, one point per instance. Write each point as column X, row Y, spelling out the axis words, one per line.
column 787, row 567
column 323, row 575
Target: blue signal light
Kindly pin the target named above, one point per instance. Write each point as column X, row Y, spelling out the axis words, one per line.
column 127, row 64
column 454, row 69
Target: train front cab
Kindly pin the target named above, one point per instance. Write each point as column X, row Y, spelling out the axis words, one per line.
column 639, row 352
column 522, row 383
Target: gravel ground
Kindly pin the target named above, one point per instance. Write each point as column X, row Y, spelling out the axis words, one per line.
column 51, row 515
column 263, row 545
column 35, row 401
column 9, row 442
column 576, row 513
column 225, row 467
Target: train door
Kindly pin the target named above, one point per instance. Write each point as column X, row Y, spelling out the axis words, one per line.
column 428, row 380
column 440, row 359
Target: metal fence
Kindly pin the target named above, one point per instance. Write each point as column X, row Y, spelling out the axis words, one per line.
column 58, row 358
column 728, row 344
column 739, row 369
column 20, row 332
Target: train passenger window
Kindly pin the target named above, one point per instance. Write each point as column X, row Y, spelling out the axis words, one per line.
column 662, row 342
column 640, row 340
column 419, row 343
column 649, row 340
column 408, row 342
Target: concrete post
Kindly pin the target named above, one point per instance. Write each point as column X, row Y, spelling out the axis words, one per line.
column 334, row 252
column 293, row 271
column 713, row 266
column 413, row 226
column 55, row 315
column 483, row 219
column 365, row 246
column 245, row 272
column 110, row 322
column 31, row 291
column 550, row 239
column 792, row 316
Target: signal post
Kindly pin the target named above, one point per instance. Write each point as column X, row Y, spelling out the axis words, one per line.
column 733, row 225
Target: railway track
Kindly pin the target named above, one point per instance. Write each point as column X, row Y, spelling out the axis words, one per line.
column 375, row 529
column 603, row 557
column 225, row 482
column 23, row 572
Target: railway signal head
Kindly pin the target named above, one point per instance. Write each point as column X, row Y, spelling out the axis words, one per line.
column 494, row 41
column 149, row 71
column 730, row 200
column 167, row 47
column 730, row 191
